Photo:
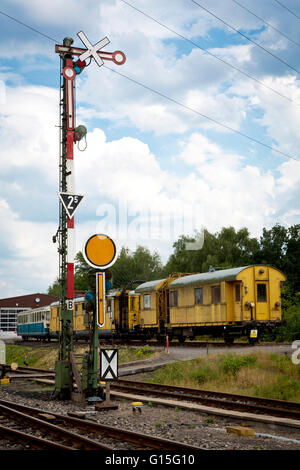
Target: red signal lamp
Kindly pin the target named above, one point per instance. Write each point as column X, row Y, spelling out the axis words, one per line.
column 79, row 65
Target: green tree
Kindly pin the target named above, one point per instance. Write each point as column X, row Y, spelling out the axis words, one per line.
column 226, row 249
column 54, row 289
column 138, row 265
column 280, row 247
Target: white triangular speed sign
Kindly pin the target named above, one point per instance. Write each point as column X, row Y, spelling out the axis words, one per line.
column 70, row 202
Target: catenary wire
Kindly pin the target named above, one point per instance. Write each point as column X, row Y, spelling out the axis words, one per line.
column 27, row 26
column 175, row 101
column 266, row 22
column 284, row 6
column 246, row 37
column 212, row 54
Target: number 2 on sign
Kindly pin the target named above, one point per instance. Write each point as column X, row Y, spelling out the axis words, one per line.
column 72, row 199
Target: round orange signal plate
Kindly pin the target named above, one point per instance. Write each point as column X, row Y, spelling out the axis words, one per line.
column 100, row 251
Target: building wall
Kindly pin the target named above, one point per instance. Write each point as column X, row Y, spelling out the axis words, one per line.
column 10, row 307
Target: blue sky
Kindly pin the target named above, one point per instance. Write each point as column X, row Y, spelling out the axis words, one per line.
column 153, row 169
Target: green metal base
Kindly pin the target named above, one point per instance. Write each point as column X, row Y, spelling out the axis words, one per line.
column 63, row 379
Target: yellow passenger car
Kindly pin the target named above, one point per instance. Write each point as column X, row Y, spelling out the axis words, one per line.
column 121, row 316
column 231, row 302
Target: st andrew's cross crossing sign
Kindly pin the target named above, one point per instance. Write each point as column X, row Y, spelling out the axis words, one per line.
column 92, row 50
column 108, row 364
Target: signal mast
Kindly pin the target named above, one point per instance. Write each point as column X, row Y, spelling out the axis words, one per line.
column 72, row 63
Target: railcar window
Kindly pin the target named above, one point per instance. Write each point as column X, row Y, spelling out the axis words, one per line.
column 237, row 293
column 146, row 301
column 215, row 295
column 174, row 299
column 76, row 310
column 199, row 296
column 261, row 292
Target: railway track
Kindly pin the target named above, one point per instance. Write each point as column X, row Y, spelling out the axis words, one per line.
column 227, row 401
column 264, row 406
column 152, row 343
column 24, row 425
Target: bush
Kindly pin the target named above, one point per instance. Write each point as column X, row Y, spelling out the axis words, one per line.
column 232, row 364
column 291, row 313
column 144, row 351
column 202, row 374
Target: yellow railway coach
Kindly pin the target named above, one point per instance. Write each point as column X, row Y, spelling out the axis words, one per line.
column 233, row 302
column 121, row 316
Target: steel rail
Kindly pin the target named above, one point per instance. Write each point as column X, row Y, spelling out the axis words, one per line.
column 51, row 429
column 276, row 408
column 138, row 439
column 36, row 442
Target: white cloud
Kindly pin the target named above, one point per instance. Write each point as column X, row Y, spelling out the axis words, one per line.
column 28, row 257
column 29, row 136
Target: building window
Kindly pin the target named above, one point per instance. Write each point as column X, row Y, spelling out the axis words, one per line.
column 174, row 298
column 215, row 295
column 261, row 292
column 147, row 303
column 237, row 293
column 199, row 296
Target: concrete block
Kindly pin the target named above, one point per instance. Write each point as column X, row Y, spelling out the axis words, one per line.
column 5, row 381
column 47, row 416
column 240, row 430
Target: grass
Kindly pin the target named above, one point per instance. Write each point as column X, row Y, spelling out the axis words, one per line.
column 261, row 374
column 45, row 358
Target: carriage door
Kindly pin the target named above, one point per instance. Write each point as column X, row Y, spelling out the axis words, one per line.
column 123, row 304
column 262, row 301
column 237, row 301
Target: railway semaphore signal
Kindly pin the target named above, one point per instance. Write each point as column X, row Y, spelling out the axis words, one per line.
column 73, row 62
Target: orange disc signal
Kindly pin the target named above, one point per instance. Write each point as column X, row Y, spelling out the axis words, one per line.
column 100, row 251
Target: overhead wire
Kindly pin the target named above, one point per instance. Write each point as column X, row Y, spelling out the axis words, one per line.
column 27, row 26
column 284, row 6
column 215, row 121
column 246, row 74
column 246, row 37
column 173, row 100
column 266, row 22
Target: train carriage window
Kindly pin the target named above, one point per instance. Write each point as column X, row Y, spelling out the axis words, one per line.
column 174, row 298
column 76, row 309
column 261, row 292
column 147, row 301
column 215, row 295
column 199, row 296
column 132, row 303
column 47, row 316
column 237, row 293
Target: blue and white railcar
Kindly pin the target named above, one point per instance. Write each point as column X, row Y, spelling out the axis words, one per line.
column 35, row 323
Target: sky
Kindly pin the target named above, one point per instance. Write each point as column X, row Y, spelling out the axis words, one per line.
column 199, row 127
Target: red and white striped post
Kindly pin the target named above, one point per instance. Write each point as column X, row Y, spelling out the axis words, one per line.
column 69, row 74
